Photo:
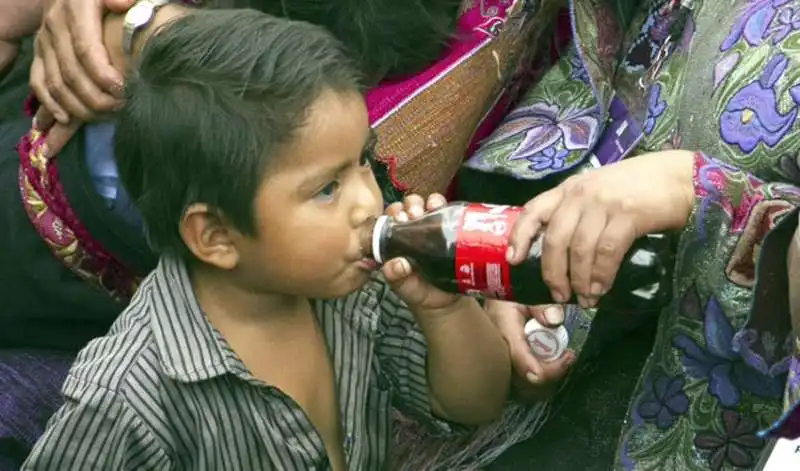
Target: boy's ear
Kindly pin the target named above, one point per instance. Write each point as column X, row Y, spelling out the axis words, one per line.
column 209, row 237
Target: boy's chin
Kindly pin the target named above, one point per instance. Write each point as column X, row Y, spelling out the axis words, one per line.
column 344, row 286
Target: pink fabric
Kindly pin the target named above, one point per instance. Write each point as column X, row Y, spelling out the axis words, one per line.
column 387, row 96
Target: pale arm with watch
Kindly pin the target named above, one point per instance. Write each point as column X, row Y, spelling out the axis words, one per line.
column 124, row 35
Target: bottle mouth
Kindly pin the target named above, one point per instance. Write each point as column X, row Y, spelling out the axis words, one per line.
column 377, row 232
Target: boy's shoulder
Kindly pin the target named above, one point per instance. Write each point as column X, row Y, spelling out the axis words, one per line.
column 127, row 350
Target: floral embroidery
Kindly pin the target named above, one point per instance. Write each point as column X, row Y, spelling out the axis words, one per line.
column 784, row 23
column 545, row 125
column 655, row 108
column 737, row 445
column 752, row 115
column 754, row 23
column 549, row 158
column 727, row 374
column 665, row 401
column 724, row 67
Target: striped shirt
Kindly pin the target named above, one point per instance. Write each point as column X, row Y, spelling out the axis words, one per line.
column 163, row 390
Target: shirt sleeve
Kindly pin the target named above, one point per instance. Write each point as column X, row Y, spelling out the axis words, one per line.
column 758, row 220
column 402, row 353
column 95, row 430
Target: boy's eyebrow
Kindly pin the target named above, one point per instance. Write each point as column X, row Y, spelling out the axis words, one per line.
column 329, row 173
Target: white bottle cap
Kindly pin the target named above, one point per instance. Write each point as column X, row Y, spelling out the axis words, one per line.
column 547, row 344
column 376, row 237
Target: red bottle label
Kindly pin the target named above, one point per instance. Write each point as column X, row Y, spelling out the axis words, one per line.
column 481, row 244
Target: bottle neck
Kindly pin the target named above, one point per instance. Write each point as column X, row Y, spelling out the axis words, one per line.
column 377, row 238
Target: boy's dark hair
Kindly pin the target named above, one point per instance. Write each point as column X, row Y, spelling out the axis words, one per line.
column 215, row 95
column 389, row 38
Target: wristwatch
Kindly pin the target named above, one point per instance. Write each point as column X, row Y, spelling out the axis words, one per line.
column 139, row 16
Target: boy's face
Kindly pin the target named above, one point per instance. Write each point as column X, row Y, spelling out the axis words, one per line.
column 313, row 205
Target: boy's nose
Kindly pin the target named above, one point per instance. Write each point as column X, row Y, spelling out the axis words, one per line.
column 368, row 204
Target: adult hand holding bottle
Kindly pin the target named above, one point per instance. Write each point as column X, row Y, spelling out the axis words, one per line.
column 592, row 219
column 534, row 379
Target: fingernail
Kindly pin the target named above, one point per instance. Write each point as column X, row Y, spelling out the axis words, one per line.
column 415, row 211
column 558, row 297
column 35, row 123
column 554, row 315
column 402, row 268
column 401, row 216
column 510, row 254
column 583, row 302
column 598, row 289
column 532, row 378
column 46, row 151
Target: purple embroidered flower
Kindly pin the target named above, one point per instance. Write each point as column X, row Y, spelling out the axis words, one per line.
column 655, row 108
column 727, row 374
column 752, row 115
column 544, row 125
column 664, row 402
column 753, row 23
column 787, row 21
column 736, row 445
column 549, row 158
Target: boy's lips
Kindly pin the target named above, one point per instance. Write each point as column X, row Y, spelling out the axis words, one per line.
column 368, row 263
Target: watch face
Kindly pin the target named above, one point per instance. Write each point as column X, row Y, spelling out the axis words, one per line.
column 139, row 14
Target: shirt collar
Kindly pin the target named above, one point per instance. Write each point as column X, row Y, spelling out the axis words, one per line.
column 189, row 346
column 192, row 349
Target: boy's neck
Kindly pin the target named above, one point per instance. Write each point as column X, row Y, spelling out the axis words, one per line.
column 225, row 302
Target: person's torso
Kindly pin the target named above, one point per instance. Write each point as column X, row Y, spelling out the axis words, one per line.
column 732, row 92
column 207, row 411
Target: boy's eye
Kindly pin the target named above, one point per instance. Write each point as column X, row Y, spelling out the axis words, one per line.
column 328, row 191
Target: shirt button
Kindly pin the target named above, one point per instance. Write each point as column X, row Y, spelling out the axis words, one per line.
column 348, row 444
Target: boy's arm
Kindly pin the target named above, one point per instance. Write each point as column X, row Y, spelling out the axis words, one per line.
column 94, row 430
column 454, row 365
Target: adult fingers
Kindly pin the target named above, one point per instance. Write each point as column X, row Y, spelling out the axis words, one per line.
column 555, row 247
column 59, row 135
column 617, row 237
column 70, row 104
column 582, row 255
column 38, row 83
column 535, row 214
column 103, row 81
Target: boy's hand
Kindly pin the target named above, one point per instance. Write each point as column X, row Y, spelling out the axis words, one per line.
column 420, row 296
column 533, row 380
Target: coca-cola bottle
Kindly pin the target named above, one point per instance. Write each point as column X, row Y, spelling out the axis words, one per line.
column 461, row 248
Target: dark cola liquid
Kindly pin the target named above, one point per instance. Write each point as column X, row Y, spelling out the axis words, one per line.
column 430, row 243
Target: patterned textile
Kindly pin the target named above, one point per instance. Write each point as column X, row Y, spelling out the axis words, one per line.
column 717, row 376
column 426, row 123
column 49, row 211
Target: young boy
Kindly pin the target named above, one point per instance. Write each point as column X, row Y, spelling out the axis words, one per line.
column 263, row 340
